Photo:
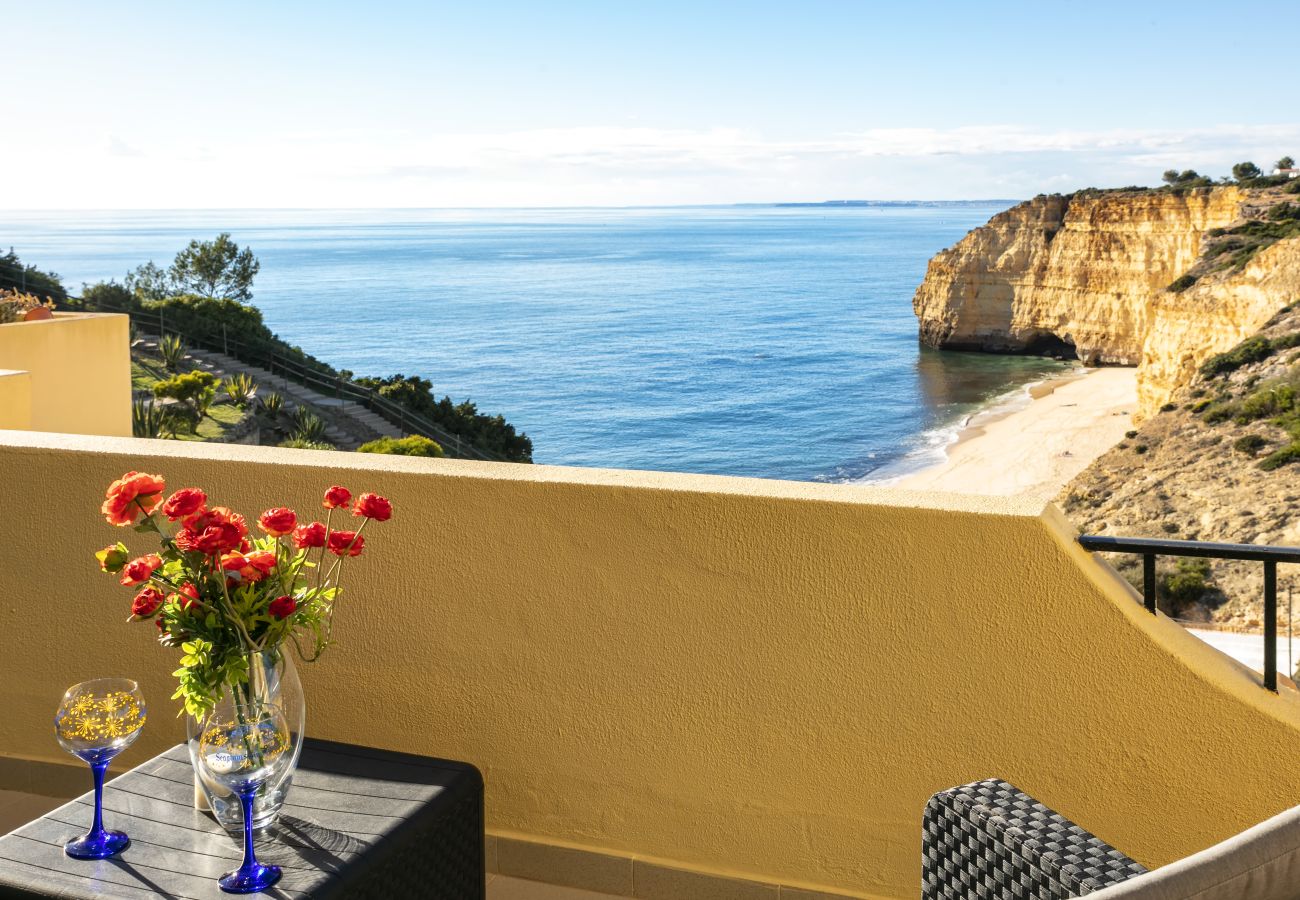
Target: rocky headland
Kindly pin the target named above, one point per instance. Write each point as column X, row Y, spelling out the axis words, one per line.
column 1102, row 276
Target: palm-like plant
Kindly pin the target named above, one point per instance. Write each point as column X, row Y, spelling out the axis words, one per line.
column 272, row 404
column 147, row 420
column 241, row 389
column 172, row 352
column 307, row 426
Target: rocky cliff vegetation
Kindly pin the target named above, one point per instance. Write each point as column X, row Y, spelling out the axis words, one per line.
column 1215, row 463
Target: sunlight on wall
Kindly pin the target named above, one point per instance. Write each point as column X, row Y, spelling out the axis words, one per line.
column 739, row 676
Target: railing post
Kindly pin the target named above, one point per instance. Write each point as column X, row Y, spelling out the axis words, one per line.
column 1270, row 625
column 1149, row 582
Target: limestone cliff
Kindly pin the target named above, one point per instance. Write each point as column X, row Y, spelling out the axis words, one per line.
column 1071, row 272
column 1212, row 316
column 1087, row 275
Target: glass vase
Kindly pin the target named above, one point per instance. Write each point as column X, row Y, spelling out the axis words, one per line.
column 272, row 680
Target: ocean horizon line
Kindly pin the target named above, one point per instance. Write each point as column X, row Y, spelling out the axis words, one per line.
column 775, row 204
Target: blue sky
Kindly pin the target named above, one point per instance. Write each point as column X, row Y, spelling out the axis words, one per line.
column 620, row 103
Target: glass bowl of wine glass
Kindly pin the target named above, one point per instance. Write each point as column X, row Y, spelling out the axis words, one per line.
column 240, row 750
column 96, row 721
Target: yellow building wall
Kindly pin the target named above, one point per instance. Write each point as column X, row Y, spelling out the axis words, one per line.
column 15, row 399
column 80, row 367
column 740, row 676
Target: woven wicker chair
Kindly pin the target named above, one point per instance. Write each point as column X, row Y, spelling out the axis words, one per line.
column 990, row 841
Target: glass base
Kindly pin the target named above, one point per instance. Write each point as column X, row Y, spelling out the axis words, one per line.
column 99, row 846
column 249, row 879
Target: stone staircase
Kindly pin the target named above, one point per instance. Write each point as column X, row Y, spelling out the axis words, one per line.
column 348, row 424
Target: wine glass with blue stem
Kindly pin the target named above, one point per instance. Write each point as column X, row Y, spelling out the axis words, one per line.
column 95, row 722
column 239, row 750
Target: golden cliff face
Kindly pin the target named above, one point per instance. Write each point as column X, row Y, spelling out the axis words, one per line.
column 1088, row 275
column 1212, row 316
column 1057, row 273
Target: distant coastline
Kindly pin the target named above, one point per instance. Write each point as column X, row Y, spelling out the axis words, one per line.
column 887, row 203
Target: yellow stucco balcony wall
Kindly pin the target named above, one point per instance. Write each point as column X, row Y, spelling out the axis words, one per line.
column 78, row 369
column 737, row 676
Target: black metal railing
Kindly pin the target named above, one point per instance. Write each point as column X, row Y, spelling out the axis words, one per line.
column 1150, row 548
column 302, row 371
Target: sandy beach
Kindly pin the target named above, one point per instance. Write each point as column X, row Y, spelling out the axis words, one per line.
column 1036, row 450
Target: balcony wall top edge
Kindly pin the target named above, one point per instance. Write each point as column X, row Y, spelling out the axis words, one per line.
column 157, row 452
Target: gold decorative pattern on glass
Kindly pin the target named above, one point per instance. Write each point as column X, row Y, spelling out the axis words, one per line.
column 100, row 719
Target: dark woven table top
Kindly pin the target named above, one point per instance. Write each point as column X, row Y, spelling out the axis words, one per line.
column 358, row 823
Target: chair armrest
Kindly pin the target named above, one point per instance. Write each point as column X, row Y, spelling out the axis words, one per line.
column 990, row 841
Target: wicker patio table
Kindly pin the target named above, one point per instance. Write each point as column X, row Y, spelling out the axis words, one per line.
column 360, row 823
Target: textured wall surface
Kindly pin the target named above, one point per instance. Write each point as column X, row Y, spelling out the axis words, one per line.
column 741, row 676
column 1081, row 271
column 80, row 371
column 15, row 399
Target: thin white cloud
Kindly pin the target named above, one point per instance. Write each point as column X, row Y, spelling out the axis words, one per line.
column 613, row 165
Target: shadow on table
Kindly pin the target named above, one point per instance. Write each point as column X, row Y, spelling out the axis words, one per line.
column 299, row 846
column 324, row 848
column 145, row 881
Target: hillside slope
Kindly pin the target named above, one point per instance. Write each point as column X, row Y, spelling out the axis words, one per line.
column 1219, row 462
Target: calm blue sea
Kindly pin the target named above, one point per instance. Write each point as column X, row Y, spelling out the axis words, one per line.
column 759, row 340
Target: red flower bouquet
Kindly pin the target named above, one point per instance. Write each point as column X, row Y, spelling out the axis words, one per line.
column 222, row 594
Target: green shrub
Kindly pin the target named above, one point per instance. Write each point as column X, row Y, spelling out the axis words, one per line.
column 1188, row 583
column 180, row 418
column 197, row 389
column 1140, row 448
column 1242, row 243
column 1251, row 350
column 1169, row 407
column 1200, row 405
column 1130, row 434
column 1218, row 412
column 1249, row 444
column 492, row 434
column 1284, row 212
column 1181, row 283
column 1279, row 458
column 172, row 352
column 299, row 443
column 411, row 445
column 1266, row 403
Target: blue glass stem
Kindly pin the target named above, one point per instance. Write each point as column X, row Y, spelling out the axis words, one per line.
column 246, row 799
column 98, row 767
